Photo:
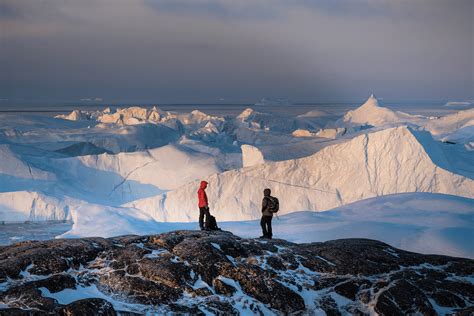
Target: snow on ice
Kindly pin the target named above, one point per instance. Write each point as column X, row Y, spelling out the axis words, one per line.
column 135, row 170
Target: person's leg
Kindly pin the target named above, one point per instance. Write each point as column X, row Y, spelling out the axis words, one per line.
column 201, row 218
column 262, row 224
column 208, row 216
column 269, row 229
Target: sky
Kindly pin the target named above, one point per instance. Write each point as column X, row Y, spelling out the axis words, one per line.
column 235, row 50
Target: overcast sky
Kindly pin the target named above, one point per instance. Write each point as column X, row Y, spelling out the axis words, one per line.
column 209, row 50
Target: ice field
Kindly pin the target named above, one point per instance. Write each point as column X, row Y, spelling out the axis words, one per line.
column 400, row 173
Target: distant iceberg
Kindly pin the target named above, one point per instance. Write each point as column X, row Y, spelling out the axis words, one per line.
column 459, row 103
column 273, row 101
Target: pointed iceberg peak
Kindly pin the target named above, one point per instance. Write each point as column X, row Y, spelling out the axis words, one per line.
column 371, row 102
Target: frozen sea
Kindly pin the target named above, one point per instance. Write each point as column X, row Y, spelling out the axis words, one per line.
column 417, row 107
column 16, row 232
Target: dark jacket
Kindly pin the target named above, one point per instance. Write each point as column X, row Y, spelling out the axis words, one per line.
column 266, row 204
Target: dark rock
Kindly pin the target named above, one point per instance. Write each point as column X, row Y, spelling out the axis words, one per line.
column 448, row 299
column 219, row 308
column 28, row 296
column 170, row 240
column 203, row 257
column 329, row 306
column 133, row 269
column 403, row 298
column 203, row 291
column 464, row 311
column 139, row 289
column 365, row 296
column 350, row 288
column 328, row 281
column 276, row 263
column 164, row 271
column 86, row 307
column 461, row 268
column 20, row 312
column 48, row 257
column 223, row 288
column 260, row 284
column 56, row 283
column 290, row 261
column 185, row 310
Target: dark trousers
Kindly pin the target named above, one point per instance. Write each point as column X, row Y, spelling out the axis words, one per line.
column 266, row 223
column 204, row 211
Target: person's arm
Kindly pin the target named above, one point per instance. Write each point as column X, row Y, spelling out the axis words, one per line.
column 264, row 204
column 200, row 196
column 203, row 197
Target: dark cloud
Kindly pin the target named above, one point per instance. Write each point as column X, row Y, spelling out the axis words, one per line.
column 207, row 49
column 278, row 8
column 9, row 11
column 258, row 9
column 30, row 10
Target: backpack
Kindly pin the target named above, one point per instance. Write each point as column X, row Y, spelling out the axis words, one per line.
column 212, row 224
column 273, row 204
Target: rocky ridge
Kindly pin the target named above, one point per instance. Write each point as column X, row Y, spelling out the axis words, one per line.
column 193, row 272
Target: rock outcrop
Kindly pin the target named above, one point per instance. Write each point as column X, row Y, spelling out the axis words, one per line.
column 193, row 272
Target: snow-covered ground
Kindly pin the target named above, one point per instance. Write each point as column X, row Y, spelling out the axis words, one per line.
column 339, row 172
column 420, row 222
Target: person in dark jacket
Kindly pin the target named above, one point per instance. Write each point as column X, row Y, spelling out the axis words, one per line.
column 267, row 214
column 203, row 205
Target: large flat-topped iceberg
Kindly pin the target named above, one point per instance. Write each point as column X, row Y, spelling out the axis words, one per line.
column 374, row 164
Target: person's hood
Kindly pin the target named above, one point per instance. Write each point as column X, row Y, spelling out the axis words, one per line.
column 267, row 192
column 203, row 185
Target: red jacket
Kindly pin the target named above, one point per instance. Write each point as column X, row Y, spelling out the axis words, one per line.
column 202, row 196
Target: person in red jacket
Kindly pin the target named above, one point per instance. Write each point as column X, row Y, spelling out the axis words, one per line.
column 203, row 205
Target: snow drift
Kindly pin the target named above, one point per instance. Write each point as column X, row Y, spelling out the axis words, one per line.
column 385, row 162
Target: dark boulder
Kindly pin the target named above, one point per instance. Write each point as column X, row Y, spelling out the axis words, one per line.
column 85, row 307
column 200, row 272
